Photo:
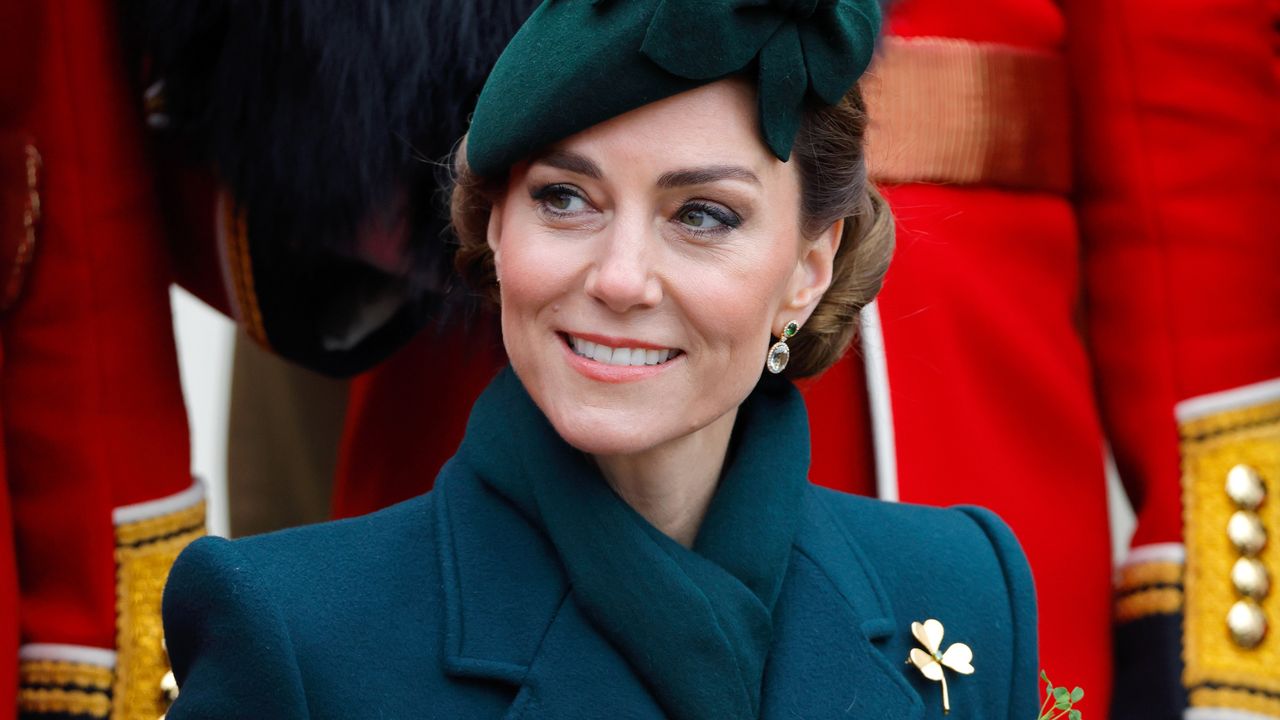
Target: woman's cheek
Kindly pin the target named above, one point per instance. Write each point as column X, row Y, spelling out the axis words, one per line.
column 535, row 269
column 735, row 301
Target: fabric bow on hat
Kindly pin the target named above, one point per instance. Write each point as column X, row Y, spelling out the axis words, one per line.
column 578, row 63
column 801, row 45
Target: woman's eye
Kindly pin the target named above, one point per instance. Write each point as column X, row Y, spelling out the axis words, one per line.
column 699, row 219
column 561, row 199
column 707, row 218
column 565, row 202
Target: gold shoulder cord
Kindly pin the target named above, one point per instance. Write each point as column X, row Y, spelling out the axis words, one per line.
column 1231, row 474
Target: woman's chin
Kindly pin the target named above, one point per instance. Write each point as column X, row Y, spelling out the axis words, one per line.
column 601, row 432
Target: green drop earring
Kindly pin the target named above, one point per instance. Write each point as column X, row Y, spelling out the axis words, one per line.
column 780, row 353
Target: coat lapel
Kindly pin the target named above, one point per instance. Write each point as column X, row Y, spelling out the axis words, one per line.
column 832, row 633
column 501, row 581
column 508, row 616
column 576, row 674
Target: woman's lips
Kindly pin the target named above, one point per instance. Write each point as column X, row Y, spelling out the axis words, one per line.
column 629, row 361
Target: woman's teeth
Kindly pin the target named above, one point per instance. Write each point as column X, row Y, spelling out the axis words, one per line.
column 620, row 356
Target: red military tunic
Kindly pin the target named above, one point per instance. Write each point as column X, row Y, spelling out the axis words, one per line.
column 95, row 493
column 1179, row 169
column 95, row 439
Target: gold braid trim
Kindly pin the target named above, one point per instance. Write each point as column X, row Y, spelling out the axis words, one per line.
column 68, row 702
column 1230, row 421
column 145, row 551
column 58, row 672
column 1211, row 446
column 160, row 527
column 1140, row 575
column 240, row 263
column 1235, row 699
column 1158, row 601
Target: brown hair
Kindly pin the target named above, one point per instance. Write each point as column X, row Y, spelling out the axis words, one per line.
column 829, row 156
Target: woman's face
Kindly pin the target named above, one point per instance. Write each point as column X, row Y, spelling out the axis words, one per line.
column 644, row 264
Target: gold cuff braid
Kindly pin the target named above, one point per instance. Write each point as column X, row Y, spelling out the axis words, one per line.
column 64, row 688
column 58, row 701
column 59, row 683
column 59, row 673
column 145, row 551
column 1145, row 603
column 1148, row 588
column 1221, row 669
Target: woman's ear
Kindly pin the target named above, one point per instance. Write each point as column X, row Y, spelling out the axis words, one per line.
column 812, row 277
column 493, row 235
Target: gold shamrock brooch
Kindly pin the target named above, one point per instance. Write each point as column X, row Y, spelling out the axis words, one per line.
column 933, row 663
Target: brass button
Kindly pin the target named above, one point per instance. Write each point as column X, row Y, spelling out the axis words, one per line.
column 169, row 686
column 1250, row 577
column 1245, row 487
column 1246, row 532
column 1247, row 624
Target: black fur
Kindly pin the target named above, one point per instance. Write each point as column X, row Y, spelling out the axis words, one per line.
column 315, row 111
column 319, row 116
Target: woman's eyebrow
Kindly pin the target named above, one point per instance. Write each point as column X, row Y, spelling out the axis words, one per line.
column 572, row 162
column 706, row 175
column 582, row 165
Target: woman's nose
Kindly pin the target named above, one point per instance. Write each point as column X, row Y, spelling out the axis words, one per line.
column 623, row 277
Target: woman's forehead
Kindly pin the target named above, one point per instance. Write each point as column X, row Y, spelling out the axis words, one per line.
column 713, row 126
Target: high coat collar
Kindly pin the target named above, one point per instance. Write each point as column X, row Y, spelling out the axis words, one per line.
column 509, row 617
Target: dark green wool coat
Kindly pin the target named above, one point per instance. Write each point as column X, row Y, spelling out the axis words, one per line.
column 456, row 605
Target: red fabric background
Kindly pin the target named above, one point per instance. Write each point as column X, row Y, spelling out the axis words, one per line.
column 407, row 416
column 19, row 37
column 1179, row 156
column 93, row 414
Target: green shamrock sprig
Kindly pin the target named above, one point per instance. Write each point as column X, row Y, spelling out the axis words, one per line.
column 1059, row 702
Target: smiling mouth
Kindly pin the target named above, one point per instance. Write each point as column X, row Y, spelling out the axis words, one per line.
column 620, row 356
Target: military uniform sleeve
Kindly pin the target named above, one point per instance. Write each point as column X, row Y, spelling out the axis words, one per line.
column 1024, row 685
column 1178, row 164
column 228, row 642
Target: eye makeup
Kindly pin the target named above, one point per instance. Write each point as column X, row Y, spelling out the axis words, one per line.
column 557, row 200
column 692, row 217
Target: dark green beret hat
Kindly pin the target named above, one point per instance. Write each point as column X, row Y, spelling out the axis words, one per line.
column 577, row 63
